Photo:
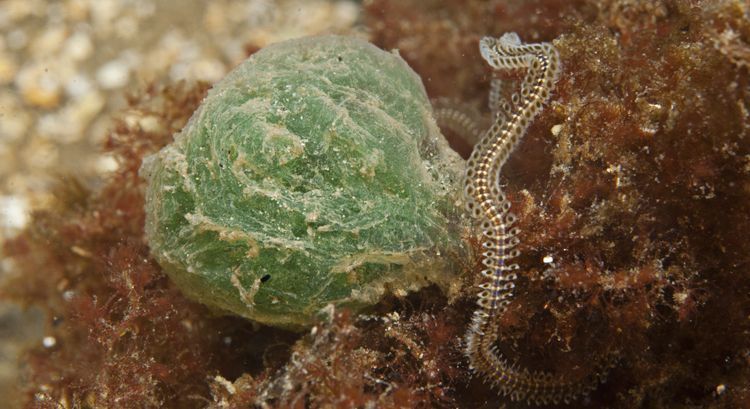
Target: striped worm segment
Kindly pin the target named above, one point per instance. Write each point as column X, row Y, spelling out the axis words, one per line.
column 488, row 204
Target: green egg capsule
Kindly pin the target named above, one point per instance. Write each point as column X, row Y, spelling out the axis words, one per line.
column 311, row 174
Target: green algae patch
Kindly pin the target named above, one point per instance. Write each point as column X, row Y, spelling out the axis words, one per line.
column 311, row 174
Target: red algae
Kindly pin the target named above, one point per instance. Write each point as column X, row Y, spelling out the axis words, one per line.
column 632, row 190
column 633, row 182
column 124, row 336
column 111, row 310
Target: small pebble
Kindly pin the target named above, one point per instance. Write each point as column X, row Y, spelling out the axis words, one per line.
column 76, row 10
column 17, row 39
column 49, row 42
column 78, row 85
column 68, row 125
column 8, row 69
column 113, row 74
column 14, row 212
column 126, row 27
column 208, row 69
column 39, row 87
column 49, row 342
column 68, row 295
column 13, row 125
column 720, row 389
column 105, row 164
column 79, row 46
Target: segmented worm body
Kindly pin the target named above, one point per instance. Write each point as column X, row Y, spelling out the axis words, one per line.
column 489, row 205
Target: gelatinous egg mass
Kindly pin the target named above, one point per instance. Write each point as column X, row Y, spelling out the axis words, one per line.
column 312, row 174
